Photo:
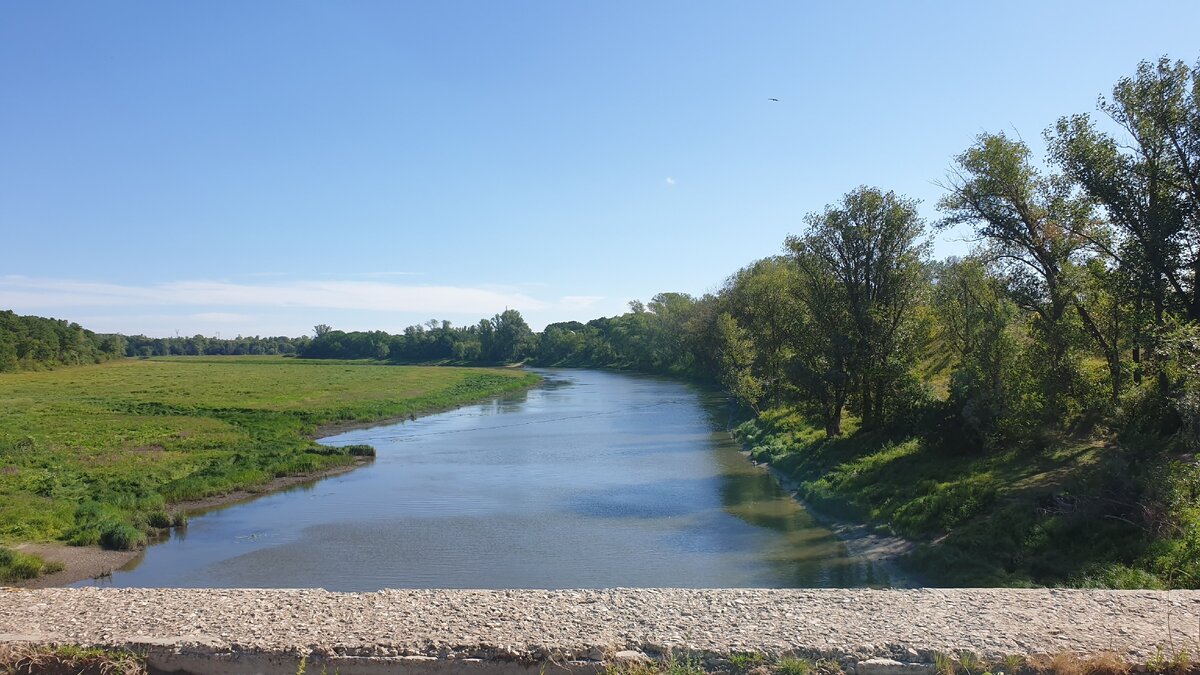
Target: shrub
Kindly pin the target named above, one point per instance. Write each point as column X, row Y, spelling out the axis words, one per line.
column 159, row 519
column 121, row 537
column 15, row 566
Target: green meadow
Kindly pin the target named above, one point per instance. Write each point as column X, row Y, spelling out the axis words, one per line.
column 99, row 454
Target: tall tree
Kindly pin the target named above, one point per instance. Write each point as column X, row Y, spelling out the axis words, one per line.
column 1149, row 186
column 763, row 299
column 1034, row 226
column 862, row 271
column 978, row 325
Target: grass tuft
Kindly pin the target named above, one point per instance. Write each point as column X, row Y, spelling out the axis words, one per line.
column 25, row 659
column 789, row 665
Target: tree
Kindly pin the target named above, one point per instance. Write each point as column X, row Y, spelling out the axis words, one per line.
column 321, row 330
column 509, row 338
column 763, row 299
column 862, row 272
column 1034, row 226
column 979, row 326
column 736, row 358
column 1149, row 188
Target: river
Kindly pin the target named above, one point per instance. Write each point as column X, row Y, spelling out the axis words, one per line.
column 593, row 479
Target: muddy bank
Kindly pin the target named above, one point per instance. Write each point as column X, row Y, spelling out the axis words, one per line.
column 78, row 562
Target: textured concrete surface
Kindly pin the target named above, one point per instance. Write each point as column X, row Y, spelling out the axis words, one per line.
column 431, row 631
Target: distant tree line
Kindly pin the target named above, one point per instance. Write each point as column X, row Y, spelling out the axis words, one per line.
column 35, row 343
column 505, row 338
column 199, row 345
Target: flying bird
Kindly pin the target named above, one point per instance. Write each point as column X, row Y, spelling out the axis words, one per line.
column 773, row 99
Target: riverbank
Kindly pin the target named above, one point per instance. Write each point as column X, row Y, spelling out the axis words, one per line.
column 73, row 564
column 412, row 631
column 106, row 455
column 1020, row 517
column 860, row 539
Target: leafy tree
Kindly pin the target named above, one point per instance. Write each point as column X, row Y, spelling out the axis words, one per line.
column 763, row 298
column 981, row 325
column 737, row 356
column 1034, row 226
column 1149, row 188
column 510, row 338
column 862, row 274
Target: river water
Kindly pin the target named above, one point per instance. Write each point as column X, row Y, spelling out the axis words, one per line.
column 594, row 479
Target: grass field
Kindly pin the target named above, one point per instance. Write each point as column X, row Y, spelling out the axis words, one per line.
column 97, row 454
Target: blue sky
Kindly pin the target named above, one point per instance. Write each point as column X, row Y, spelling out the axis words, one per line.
column 260, row 167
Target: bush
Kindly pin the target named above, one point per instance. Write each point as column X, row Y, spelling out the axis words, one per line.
column 360, row 450
column 159, row 519
column 122, row 537
column 15, row 566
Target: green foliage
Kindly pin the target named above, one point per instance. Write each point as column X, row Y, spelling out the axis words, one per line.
column 991, row 388
column 35, row 343
column 505, row 338
column 737, row 357
column 26, row 658
column 970, row 662
column 121, row 537
column 943, row 664
column 672, row 334
column 862, row 272
column 159, row 519
column 1072, row 511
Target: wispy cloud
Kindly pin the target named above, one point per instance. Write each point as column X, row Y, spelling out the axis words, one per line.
column 37, row 294
column 221, row 317
column 579, row 301
column 670, row 181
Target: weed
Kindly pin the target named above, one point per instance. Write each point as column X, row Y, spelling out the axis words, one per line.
column 686, row 665
column 943, row 664
column 789, row 665
column 1180, row 661
column 745, row 661
column 970, row 662
column 122, row 537
column 159, row 519
column 18, row 658
column 1157, row 663
column 17, row 566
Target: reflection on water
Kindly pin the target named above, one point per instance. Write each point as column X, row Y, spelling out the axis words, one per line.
column 593, row 479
